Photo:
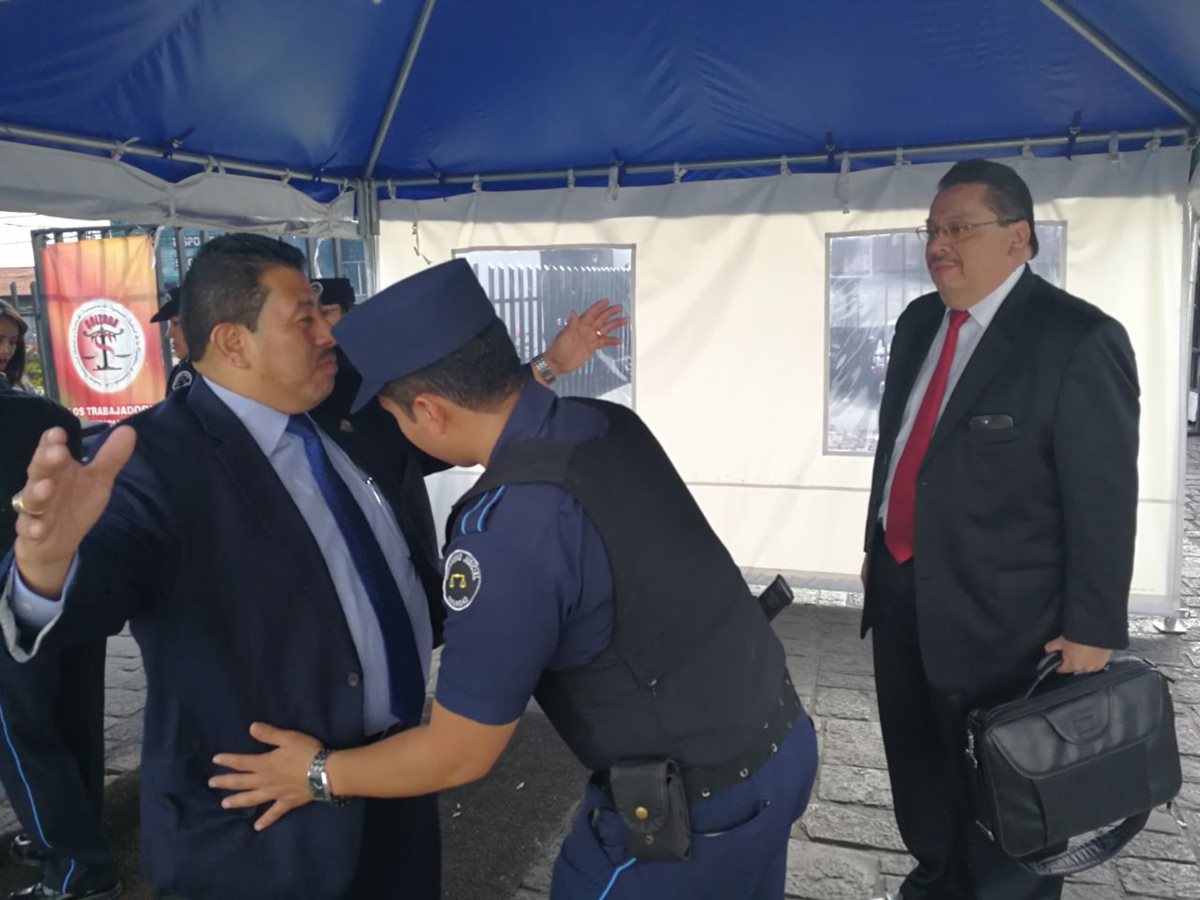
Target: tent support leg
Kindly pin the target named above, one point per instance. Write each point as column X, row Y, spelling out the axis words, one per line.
column 1170, row 625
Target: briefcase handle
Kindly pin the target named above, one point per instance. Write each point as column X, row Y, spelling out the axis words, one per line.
column 1045, row 668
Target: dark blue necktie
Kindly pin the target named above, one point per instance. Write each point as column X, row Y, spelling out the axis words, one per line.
column 405, row 679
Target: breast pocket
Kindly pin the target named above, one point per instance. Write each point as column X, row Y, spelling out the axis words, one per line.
column 994, row 454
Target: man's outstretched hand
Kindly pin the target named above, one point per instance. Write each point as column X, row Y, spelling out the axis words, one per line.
column 61, row 501
column 583, row 335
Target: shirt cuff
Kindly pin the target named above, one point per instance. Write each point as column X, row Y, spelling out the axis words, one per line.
column 25, row 613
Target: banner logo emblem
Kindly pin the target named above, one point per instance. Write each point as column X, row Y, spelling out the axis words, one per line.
column 107, row 344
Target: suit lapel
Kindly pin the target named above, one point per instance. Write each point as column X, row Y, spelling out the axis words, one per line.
column 903, row 369
column 252, row 474
column 989, row 357
column 358, row 435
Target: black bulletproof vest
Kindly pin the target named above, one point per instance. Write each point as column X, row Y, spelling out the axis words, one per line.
column 693, row 668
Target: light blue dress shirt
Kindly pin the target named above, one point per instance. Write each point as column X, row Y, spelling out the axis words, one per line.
column 285, row 452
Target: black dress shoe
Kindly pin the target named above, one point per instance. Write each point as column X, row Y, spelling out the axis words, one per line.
column 25, row 852
column 40, row 891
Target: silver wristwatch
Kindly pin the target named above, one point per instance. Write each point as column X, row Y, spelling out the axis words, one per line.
column 318, row 780
column 543, row 368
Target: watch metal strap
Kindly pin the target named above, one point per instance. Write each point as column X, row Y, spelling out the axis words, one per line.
column 543, row 368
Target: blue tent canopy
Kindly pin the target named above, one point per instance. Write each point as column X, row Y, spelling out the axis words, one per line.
column 536, row 88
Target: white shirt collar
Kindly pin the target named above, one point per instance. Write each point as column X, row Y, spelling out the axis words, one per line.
column 985, row 310
column 266, row 425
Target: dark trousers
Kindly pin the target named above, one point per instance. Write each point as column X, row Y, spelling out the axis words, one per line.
column 401, row 854
column 924, row 736
column 739, row 843
column 52, row 761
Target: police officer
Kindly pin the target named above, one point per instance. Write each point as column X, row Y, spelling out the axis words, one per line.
column 578, row 570
column 182, row 373
column 336, row 296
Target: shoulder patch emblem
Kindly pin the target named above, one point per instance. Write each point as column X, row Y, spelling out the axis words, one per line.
column 182, row 379
column 462, row 580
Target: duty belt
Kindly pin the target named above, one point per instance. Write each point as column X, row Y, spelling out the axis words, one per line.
column 703, row 782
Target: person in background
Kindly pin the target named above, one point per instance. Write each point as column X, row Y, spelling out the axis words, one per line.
column 1002, row 513
column 51, row 711
column 182, row 373
column 336, row 296
column 12, row 346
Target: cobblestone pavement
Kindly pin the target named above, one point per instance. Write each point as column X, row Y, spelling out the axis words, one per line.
column 846, row 847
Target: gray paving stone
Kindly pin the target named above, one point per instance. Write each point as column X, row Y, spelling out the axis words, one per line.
column 847, row 663
column 852, row 743
column 896, row 863
column 817, row 872
column 847, row 825
column 843, row 680
column 840, row 703
column 1163, row 821
column 1152, row 845
column 1155, row 878
column 1105, row 874
column 1092, row 892
column 122, row 702
column 1191, row 768
column 851, row 784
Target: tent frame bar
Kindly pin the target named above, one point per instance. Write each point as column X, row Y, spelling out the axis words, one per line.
column 1150, row 135
column 117, row 149
column 1131, row 66
column 406, row 67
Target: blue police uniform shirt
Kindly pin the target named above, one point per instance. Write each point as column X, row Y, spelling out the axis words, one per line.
column 528, row 586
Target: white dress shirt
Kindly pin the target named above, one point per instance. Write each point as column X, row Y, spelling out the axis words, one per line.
column 979, row 317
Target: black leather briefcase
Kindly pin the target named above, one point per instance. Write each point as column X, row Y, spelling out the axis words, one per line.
column 1073, row 755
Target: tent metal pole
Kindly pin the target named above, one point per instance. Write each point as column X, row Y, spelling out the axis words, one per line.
column 410, row 57
column 774, row 161
column 119, row 149
column 1131, row 66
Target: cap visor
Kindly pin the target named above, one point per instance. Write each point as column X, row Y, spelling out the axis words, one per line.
column 366, row 391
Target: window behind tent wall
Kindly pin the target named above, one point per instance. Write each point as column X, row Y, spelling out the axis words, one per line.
column 325, row 257
column 870, row 278
column 535, row 290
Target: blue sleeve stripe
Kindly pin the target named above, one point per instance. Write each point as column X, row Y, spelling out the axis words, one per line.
column 615, row 875
column 24, row 781
column 482, row 522
column 462, row 524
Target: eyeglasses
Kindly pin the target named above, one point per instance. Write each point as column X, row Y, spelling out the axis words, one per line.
column 957, row 231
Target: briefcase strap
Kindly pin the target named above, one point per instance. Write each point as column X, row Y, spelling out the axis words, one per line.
column 1093, row 852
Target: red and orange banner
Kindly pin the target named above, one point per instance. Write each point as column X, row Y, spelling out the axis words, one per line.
column 100, row 295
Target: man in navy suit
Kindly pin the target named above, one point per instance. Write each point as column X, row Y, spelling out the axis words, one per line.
column 233, row 541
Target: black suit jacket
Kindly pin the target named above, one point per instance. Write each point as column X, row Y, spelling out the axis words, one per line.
column 23, row 419
column 1026, row 532
column 202, row 549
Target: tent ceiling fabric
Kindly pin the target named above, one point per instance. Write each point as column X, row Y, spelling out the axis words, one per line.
column 518, row 87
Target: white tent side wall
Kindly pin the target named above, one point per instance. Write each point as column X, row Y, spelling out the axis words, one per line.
column 731, row 328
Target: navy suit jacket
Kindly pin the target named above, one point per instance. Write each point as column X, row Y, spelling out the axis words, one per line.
column 203, row 551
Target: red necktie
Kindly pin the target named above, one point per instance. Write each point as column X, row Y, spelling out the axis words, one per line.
column 902, row 503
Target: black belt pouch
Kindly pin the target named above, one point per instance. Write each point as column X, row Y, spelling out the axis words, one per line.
column 651, row 800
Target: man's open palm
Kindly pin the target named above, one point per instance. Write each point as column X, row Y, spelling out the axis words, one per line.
column 63, row 499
